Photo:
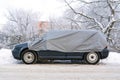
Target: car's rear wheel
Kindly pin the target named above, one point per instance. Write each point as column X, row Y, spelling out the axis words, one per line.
column 92, row 58
column 29, row 57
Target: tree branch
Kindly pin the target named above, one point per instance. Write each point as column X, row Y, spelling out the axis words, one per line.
column 86, row 16
column 111, row 8
column 92, row 2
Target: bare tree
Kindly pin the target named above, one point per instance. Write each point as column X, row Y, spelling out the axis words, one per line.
column 21, row 25
column 96, row 14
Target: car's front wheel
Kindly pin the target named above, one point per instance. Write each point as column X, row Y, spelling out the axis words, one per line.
column 92, row 58
column 29, row 57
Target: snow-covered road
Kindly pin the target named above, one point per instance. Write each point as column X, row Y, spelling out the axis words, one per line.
column 59, row 72
column 11, row 69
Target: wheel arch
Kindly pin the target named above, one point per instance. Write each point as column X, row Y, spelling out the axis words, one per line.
column 99, row 54
column 21, row 52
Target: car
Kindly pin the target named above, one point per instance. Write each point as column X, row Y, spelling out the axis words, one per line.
column 87, row 45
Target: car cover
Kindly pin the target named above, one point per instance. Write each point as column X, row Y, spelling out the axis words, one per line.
column 70, row 41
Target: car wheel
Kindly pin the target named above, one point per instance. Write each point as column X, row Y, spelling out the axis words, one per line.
column 29, row 57
column 92, row 58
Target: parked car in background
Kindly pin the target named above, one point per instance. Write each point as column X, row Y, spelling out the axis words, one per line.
column 87, row 45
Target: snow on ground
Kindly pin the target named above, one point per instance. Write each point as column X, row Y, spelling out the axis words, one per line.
column 113, row 58
column 7, row 58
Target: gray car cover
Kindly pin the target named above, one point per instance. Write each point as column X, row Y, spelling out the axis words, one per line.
column 70, row 41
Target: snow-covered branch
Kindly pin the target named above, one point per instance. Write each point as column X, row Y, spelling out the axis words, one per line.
column 90, row 2
column 21, row 26
column 86, row 16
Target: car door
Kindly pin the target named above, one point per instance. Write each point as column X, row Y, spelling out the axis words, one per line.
column 74, row 55
column 47, row 54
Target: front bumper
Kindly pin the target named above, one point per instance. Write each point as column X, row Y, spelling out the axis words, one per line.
column 15, row 53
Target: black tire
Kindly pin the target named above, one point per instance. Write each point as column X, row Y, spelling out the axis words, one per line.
column 92, row 58
column 29, row 57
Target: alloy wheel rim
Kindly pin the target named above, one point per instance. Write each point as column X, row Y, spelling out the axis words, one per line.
column 29, row 57
column 92, row 57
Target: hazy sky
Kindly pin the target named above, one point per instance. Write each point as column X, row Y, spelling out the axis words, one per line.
column 46, row 7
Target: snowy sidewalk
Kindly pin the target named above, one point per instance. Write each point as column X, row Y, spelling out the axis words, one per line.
column 7, row 58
